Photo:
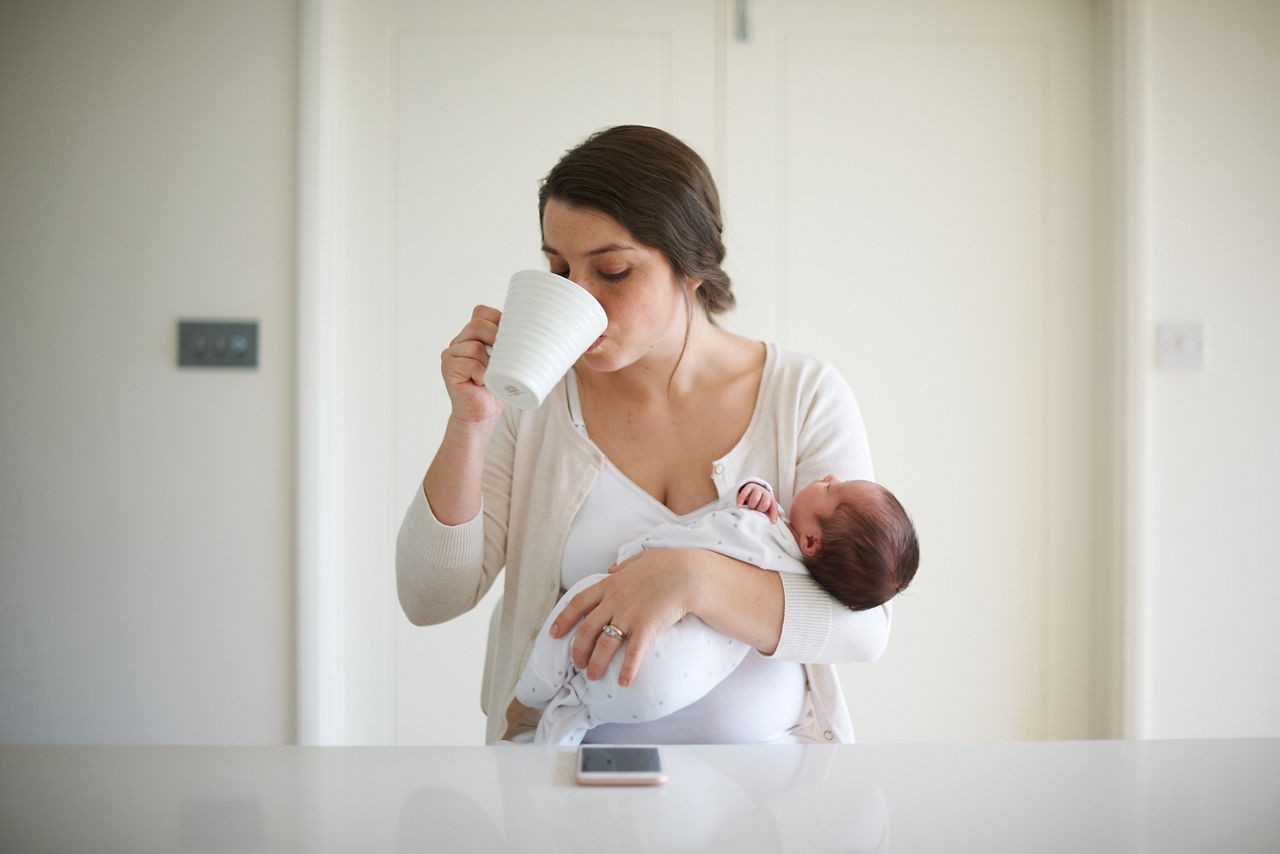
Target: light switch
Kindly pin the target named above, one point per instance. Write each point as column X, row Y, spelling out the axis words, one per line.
column 217, row 344
column 1180, row 346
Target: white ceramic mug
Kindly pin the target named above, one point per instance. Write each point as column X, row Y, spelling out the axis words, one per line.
column 547, row 323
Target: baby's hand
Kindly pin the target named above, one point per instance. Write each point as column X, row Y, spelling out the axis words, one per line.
column 754, row 496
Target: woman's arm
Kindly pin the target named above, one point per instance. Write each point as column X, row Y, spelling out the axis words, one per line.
column 830, row 438
column 440, row 551
column 439, row 568
column 453, row 480
column 783, row 615
column 788, row 617
column 816, row 628
column 652, row 591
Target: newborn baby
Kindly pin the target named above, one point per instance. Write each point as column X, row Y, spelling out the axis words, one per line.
column 853, row 537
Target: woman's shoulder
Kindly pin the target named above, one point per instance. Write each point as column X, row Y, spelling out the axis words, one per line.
column 789, row 369
column 807, row 388
column 787, row 358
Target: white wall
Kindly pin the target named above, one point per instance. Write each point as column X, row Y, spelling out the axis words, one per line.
column 146, row 173
column 146, row 522
column 1212, row 255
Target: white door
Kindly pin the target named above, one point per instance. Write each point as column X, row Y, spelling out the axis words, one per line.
column 910, row 186
column 907, row 188
column 487, row 96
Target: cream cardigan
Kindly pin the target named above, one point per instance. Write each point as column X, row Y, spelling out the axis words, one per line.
column 538, row 471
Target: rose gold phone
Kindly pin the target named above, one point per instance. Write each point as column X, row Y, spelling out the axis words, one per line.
column 617, row 765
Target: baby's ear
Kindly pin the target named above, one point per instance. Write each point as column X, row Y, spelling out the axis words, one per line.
column 810, row 545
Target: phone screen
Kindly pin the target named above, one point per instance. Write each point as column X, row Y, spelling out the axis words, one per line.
column 619, row 760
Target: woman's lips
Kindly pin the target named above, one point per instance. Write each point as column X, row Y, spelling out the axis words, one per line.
column 595, row 343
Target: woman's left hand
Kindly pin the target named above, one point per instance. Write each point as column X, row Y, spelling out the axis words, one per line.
column 642, row 597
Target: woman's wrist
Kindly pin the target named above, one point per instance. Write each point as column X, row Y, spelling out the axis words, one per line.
column 473, row 427
column 452, row 484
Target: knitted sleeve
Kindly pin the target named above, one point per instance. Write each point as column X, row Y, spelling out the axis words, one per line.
column 444, row 570
column 829, row 438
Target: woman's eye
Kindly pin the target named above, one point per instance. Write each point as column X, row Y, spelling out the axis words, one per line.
column 615, row 277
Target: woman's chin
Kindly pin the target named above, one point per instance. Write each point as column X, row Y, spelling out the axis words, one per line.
column 599, row 358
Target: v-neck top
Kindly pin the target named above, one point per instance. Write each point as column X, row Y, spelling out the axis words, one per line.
column 616, row 511
column 759, row 703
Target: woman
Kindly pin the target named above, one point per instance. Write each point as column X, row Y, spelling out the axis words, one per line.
column 664, row 414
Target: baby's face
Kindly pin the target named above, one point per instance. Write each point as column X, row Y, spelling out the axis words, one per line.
column 818, row 500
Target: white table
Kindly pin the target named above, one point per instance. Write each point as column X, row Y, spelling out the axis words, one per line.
column 1202, row 796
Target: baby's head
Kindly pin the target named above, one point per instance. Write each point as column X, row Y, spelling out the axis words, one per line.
column 857, row 541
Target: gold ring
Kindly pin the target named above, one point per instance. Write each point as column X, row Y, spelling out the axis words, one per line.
column 613, row 631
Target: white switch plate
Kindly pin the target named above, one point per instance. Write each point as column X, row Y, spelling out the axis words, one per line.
column 1180, row 346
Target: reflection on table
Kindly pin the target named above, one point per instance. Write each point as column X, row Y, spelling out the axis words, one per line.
column 1052, row 796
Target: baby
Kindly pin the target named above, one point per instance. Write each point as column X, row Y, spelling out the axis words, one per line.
column 853, row 537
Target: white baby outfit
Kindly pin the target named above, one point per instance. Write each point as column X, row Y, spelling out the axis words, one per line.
column 682, row 665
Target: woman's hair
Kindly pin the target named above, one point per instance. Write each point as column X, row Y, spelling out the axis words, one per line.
column 659, row 190
column 869, row 554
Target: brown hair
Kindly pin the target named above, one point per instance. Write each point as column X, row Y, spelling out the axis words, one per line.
column 869, row 552
column 660, row 191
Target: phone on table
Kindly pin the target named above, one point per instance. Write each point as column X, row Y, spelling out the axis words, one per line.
column 615, row 765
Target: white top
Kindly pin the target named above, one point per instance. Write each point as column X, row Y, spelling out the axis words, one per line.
column 694, row 686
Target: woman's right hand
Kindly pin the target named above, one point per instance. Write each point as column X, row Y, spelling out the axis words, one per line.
column 452, row 484
column 463, row 364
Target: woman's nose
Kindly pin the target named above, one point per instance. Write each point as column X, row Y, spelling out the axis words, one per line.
column 583, row 283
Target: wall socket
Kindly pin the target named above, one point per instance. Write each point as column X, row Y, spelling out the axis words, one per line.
column 217, row 344
column 1180, row 346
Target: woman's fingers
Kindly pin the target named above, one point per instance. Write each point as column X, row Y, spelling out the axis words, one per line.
column 464, row 360
column 480, row 332
column 636, row 647
column 585, row 642
column 642, row 597
column 600, row 648
column 605, row 648
column 485, row 319
column 592, row 648
column 463, row 364
column 578, row 607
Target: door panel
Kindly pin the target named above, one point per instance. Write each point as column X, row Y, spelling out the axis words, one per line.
column 927, row 228
column 907, row 189
column 486, row 97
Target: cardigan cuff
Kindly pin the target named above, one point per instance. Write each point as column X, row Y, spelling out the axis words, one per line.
column 806, row 619
column 444, row 546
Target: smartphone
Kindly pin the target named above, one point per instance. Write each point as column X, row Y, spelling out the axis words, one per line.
column 613, row 765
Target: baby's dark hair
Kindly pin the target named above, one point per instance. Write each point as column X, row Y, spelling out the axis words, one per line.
column 869, row 553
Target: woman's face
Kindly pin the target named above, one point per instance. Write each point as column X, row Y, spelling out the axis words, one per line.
column 634, row 283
